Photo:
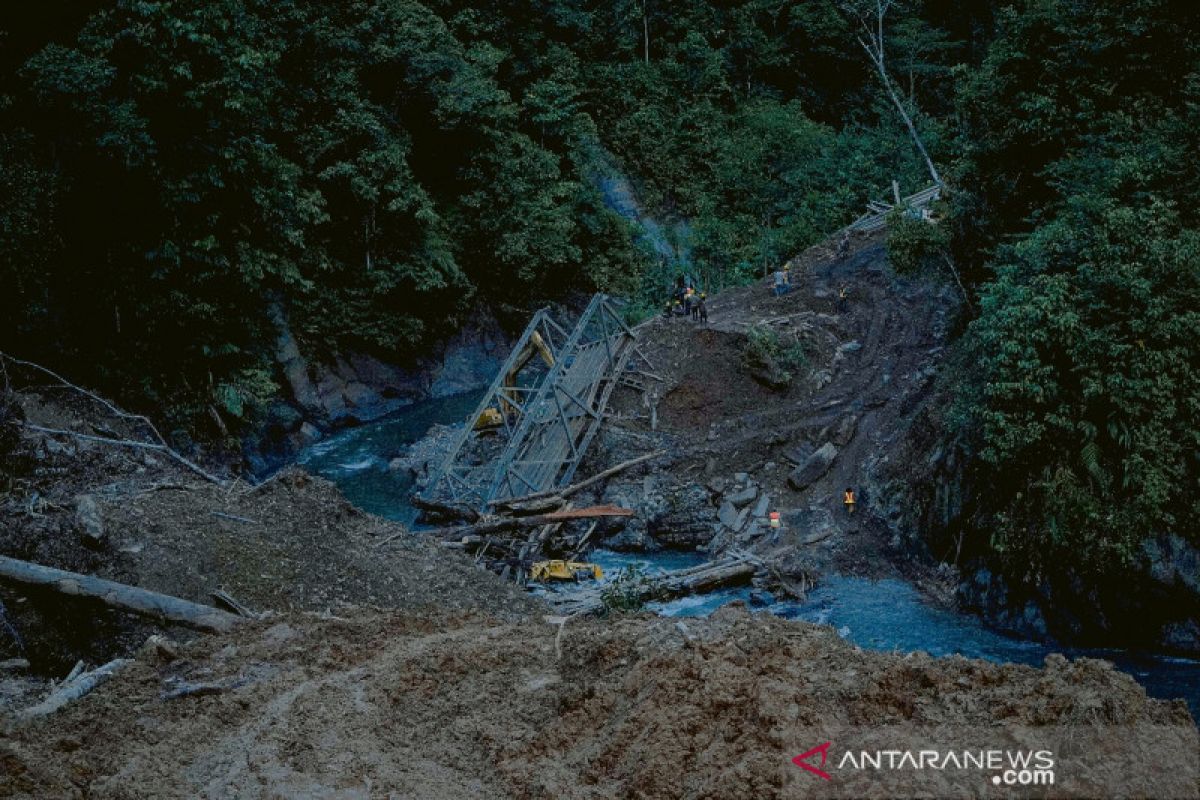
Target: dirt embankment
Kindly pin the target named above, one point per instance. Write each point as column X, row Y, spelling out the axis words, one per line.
column 454, row 706
column 862, row 370
column 138, row 517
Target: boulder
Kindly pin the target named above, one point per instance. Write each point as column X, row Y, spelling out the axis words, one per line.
column 742, row 497
column 762, row 506
column 814, row 467
column 811, row 523
column 845, row 429
column 1184, row 636
column 89, row 520
column 728, row 514
column 308, row 433
column 1172, row 561
column 687, row 519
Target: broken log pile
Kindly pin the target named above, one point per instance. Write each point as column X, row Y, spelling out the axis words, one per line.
column 502, row 545
column 499, row 542
column 693, row 580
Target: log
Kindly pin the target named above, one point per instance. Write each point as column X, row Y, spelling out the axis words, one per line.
column 74, row 689
column 560, row 495
column 160, row 442
column 524, row 523
column 447, row 510
column 231, row 603
column 118, row 595
column 582, row 543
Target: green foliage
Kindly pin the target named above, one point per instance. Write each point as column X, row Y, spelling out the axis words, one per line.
column 772, row 359
column 628, row 592
column 173, row 171
column 1087, row 398
column 1080, row 394
column 914, row 244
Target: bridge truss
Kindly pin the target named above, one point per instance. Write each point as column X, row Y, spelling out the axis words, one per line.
column 548, row 419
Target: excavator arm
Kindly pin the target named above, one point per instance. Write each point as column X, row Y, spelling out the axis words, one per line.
column 536, row 345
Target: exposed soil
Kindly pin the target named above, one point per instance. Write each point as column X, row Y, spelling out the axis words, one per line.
column 454, row 706
column 870, row 370
column 293, row 544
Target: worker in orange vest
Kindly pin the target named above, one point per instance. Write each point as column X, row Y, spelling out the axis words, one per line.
column 848, row 500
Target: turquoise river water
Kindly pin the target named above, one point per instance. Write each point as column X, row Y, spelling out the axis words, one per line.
column 882, row 615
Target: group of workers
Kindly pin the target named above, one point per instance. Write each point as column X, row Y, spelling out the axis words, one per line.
column 783, row 284
column 782, row 279
column 687, row 302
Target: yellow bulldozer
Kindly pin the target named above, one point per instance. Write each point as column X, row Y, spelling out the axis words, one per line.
column 558, row 570
column 494, row 417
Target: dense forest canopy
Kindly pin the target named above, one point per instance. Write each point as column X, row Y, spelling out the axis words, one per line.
column 381, row 169
column 176, row 174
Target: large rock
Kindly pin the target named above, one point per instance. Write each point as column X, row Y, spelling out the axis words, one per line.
column 743, row 497
column 814, row 467
column 810, row 523
column 762, row 506
column 845, row 429
column 352, row 387
column 687, row 520
column 1172, row 561
column 89, row 520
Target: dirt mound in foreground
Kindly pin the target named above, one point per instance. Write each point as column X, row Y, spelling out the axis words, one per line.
column 396, row 705
column 293, row 544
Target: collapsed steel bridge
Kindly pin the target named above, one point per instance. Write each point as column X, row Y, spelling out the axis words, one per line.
column 548, row 418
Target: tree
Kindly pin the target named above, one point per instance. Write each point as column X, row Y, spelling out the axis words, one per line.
column 870, row 15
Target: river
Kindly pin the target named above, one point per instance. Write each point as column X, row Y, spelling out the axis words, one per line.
column 886, row 614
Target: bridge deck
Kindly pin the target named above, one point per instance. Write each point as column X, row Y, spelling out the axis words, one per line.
column 554, row 419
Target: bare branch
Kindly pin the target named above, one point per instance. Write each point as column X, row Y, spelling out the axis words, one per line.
column 159, row 442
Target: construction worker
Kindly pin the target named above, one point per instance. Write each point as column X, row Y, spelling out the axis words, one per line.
column 843, row 301
column 702, row 309
column 843, row 249
column 848, row 500
column 689, row 298
column 783, row 281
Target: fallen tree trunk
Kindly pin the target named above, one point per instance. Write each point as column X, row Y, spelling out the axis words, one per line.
column 445, row 510
column 523, row 523
column 118, row 595
column 73, row 689
column 550, row 498
column 694, row 580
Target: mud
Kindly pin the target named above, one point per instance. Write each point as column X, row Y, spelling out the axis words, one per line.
column 451, row 705
column 869, row 373
column 293, row 544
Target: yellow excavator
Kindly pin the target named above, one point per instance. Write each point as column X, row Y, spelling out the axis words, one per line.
column 493, row 417
column 564, row 570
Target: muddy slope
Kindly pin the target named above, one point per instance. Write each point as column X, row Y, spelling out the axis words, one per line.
column 452, row 706
column 867, row 373
column 140, row 518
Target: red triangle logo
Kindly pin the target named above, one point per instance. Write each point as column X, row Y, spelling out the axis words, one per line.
column 801, row 760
